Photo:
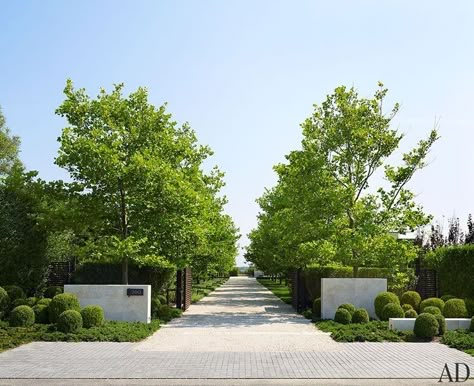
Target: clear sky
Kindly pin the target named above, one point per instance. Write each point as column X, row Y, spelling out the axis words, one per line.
column 245, row 74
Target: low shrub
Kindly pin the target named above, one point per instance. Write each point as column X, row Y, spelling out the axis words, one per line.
column 161, row 299
column 426, row 326
column 392, row 310
column 445, row 298
column 412, row 298
column 374, row 331
column 61, row 303
column 442, row 327
column 407, row 307
column 92, row 316
column 455, row 308
column 342, row 316
column 41, row 313
column 317, row 308
column 22, row 316
column 435, row 302
column 382, row 299
column 411, row 314
column 469, row 302
column 459, row 339
column 349, row 307
column 360, row 315
column 234, row 272
column 432, row 310
column 19, row 302
column 166, row 313
column 14, row 292
column 69, row 322
column 307, row 314
column 31, row 301
column 44, row 301
column 52, row 291
column 4, row 303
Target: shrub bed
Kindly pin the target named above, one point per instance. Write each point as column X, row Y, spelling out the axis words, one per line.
column 374, row 331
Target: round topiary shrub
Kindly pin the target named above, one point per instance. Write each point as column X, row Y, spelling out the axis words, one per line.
column 317, row 308
column 44, row 301
column 382, row 299
column 22, row 316
column 52, row 291
column 92, row 316
column 407, row 307
column 469, row 306
column 19, row 302
column 426, row 326
column 349, row 307
column 412, row 298
column 342, row 316
column 14, row 292
column 435, row 302
column 4, row 303
column 392, row 310
column 360, row 316
column 432, row 310
column 442, row 327
column 445, row 298
column 455, row 308
column 41, row 314
column 411, row 314
column 69, row 322
column 61, row 303
column 31, row 301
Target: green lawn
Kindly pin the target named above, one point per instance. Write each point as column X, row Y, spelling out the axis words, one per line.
column 280, row 290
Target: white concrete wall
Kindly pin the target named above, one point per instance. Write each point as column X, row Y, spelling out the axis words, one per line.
column 114, row 300
column 360, row 292
column 407, row 324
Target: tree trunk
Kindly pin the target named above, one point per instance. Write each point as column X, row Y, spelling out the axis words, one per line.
column 123, row 228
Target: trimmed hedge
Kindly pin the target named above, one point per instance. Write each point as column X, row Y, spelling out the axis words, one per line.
column 41, row 313
column 52, row 291
column 442, row 327
column 22, row 316
column 411, row 314
column 92, row 316
column 14, row 292
column 412, row 298
column 382, row 299
column 317, row 308
column 108, row 273
column 426, row 326
column 455, row 266
column 70, row 322
column 360, row 316
column 349, row 307
column 435, row 302
column 312, row 276
column 455, row 308
column 342, row 316
column 4, row 303
column 392, row 310
column 432, row 310
column 61, row 303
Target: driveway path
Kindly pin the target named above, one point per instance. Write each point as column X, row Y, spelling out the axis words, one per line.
column 240, row 331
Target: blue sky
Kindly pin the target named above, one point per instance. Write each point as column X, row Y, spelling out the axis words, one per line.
column 245, row 74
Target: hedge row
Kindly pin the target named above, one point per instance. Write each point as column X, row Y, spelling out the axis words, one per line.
column 108, row 273
column 455, row 266
column 313, row 275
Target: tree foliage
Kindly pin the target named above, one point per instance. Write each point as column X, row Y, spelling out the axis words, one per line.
column 325, row 207
column 142, row 176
